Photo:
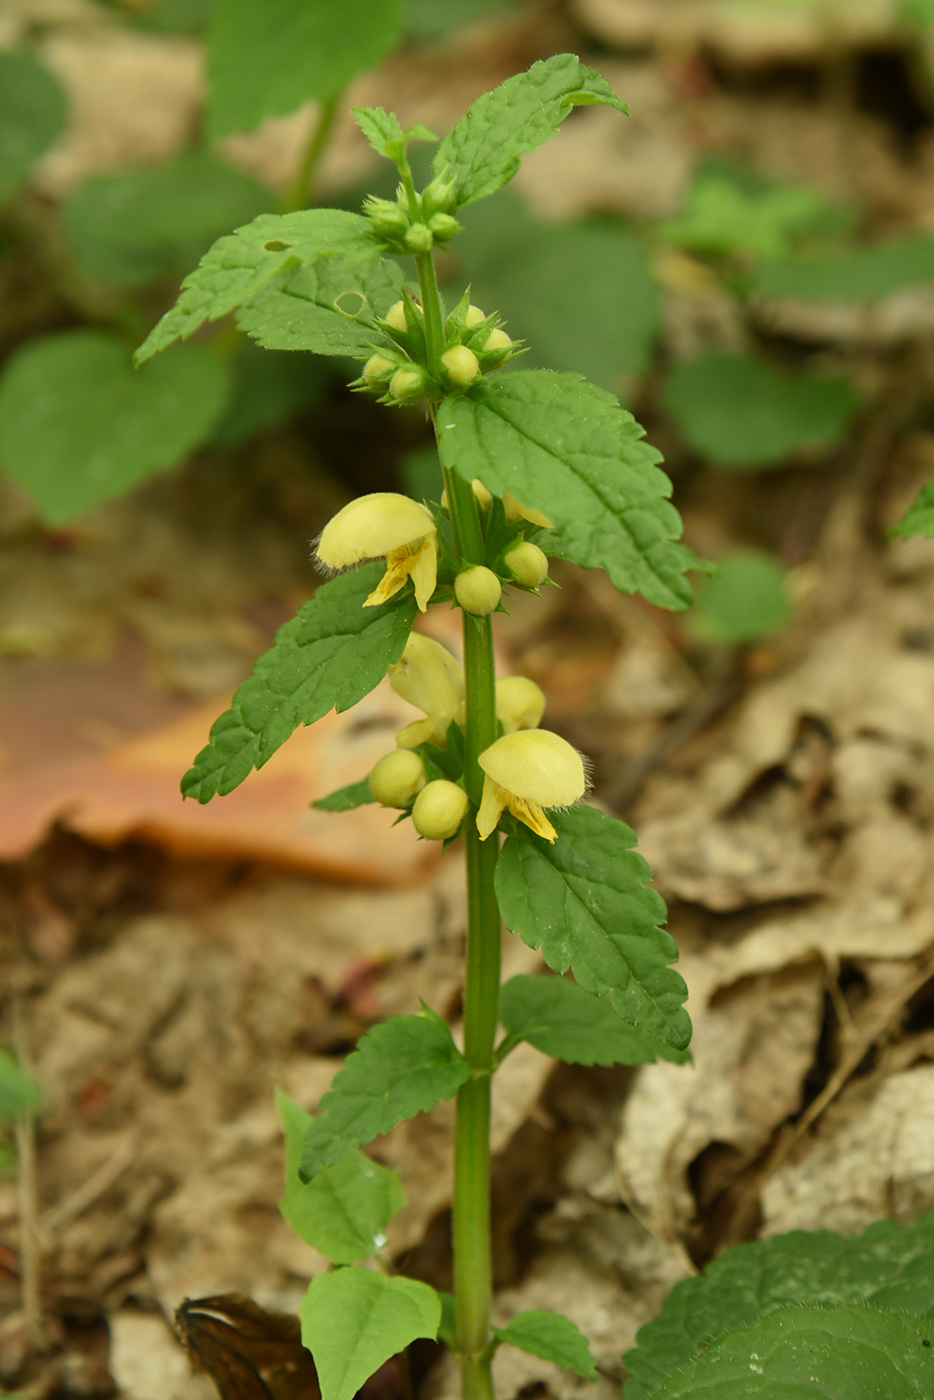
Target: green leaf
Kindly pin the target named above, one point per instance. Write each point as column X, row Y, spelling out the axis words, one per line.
column 331, row 654
column 385, row 133
column 568, row 448
column 345, row 799
column 241, row 265
column 742, row 414
column 402, row 1067
column 269, row 387
column 354, row 1320
column 158, row 222
column 604, row 320
column 746, row 599
column 329, row 309
column 483, row 151
column 175, row 16
column 268, row 60
column 919, row 520
column 888, row 1265
column 427, row 20
column 78, row 425
column 18, row 1094
column 33, row 113
column 345, row 1210
column 861, row 275
column 586, row 903
column 917, row 11
column 723, row 218
column 551, row 1336
column 561, row 1019
column 848, row 1353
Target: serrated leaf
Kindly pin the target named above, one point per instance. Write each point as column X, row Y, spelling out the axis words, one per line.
column 345, row 799
column 484, row 150
column 18, row 1094
column 354, row 1320
column 402, row 1067
column 561, row 1019
column 268, row 60
column 78, row 424
column 919, row 519
column 722, row 217
column 568, row 448
column 889, row 1265
column 585, row 901
column 742, row 414
column 603, row 321
column 331, row 654
column 157, row 222
column 552, row 1337
column 33, row 113
column 745, row 599
column 243, row 264
column 344, row 1212
column 329, row 309
column 385, row 132
column 863, row 274
column 844, row 1353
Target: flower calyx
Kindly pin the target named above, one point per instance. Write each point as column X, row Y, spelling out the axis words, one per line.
column 526, row 773
column 389, row 525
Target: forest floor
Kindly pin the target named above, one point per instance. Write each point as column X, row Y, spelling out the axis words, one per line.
column 165, row 965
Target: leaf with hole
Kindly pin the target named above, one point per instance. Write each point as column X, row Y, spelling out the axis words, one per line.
column 331, row 654
column 329, row 309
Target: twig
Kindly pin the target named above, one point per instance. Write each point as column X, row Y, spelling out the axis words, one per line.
column 61, row 1215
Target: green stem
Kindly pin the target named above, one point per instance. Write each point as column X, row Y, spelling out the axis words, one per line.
column 301, row 194
column 473, row 1272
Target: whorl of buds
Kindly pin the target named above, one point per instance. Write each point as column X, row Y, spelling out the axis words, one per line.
column 440, row 809
column 397, row 778
column 461, row 365
column 389, row 220
column 407, row 385
column 378, row 369
column 444, row 227
column 419, row 239
column 527, row 563
column 478, row 590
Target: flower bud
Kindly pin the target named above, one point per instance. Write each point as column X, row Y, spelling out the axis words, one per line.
column 497, row 346
column 407, row 385
column 461, row 364
column 478, row 590
column 439, row 810
column 388, row 220
column 527, row 563
column 440, row 197
column 397, row 778
column 395, row 317
column 444, row 227
column 378, row 369
column 419, row 239
column 520, row 703
column 474, row 317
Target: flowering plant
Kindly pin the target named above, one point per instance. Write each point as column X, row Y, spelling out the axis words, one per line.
column 535, row 464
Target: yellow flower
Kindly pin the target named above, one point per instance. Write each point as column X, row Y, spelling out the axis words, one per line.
column 388, row 524
column 397, row 778
column 439, row 810
column 527, row 772
column 432, row 680
column 520, row 703
column 515, row 511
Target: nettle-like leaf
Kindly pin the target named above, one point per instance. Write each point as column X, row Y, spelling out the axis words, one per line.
column 33, row 113
column 863, row 274
column 561, row 1019
column 157, row 222
column 604, row 320
column 385, row 132
column 890, row 1266
column 18, row 1094
column 402, row 1067
column 485, row 148
column 745, row 599
column 346, row 799
column 919, row 519
column 331, row 654
column 78, row 425
column 354, row 1320
column 585, row 901
column 329, row 309
column 561, row 444
column 344, row 1212
column 244, row 263
column 742, row 414
column 268, row 60
column 552, row 1337
column 848, row 1353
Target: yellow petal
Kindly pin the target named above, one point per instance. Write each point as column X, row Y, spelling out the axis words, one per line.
column 536, row 766
column 429, row 677
column 520, row 703
column 533, row 816
column 420, row 731
column 373, row 525
column 515, row 510
column 421, row 565
column 393, row 579
column 424, row 571
column 492, row 804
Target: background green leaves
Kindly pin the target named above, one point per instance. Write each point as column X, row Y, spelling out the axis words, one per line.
column 746, row 598
column 33, row 112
